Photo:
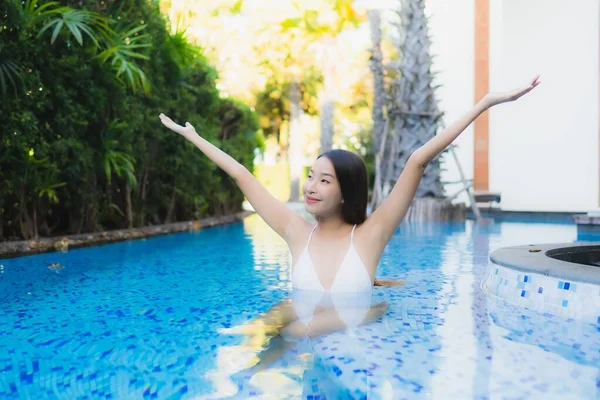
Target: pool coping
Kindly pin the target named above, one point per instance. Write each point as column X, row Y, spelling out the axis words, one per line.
column 534, row 258
column 61, row 243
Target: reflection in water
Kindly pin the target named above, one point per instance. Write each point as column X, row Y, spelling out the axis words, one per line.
column 328, row 345
column 291, row 326
column 553, row 337
column 534, row 312
column 270, row 254
column 440, row 336
column 480, row 237
column 574, row 340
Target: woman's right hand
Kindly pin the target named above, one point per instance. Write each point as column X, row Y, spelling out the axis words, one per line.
column 495, row 98
column 187, row 131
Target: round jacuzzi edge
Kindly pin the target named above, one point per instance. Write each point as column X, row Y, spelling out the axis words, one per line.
column 536, row 259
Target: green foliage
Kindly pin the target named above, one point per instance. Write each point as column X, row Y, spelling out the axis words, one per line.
column 77, row 22
column 81, row 144
column 10, row 72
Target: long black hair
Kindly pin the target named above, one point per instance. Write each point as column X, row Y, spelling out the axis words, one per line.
column 351, row 173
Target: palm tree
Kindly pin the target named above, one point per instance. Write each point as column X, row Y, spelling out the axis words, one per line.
column 412, row 112
column 323, row 28
column 413, row 116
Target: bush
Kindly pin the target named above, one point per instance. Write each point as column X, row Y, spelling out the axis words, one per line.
column 82, row 148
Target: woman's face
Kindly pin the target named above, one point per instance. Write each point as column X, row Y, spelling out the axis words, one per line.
column 322, row 192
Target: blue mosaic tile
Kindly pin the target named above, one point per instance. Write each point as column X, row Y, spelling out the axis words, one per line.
column 83, row 336
column 573, row 287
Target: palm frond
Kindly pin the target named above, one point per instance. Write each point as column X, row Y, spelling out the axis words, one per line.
column 10, row 72
column 121, row 52
column 77, row 22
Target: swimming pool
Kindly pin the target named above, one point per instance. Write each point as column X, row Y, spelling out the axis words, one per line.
column 146, row 319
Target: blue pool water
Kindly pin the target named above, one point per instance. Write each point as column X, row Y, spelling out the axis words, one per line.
column 154, row 319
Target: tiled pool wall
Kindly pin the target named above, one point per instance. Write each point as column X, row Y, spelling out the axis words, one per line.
column 560, row 297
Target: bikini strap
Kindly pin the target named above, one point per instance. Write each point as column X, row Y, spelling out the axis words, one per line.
column 311, row 233
column 352, row 235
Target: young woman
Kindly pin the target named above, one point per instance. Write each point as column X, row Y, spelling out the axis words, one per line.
column 340, row 253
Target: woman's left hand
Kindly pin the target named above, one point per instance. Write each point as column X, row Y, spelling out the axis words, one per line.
column 492, row 99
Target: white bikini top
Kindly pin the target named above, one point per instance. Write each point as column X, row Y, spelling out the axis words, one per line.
column 351, row 277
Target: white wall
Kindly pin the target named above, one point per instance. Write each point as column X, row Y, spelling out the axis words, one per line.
column 544, row 149
column 451, row 28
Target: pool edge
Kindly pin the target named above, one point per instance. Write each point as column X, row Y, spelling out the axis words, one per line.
column 59, row 243
column 533, row 258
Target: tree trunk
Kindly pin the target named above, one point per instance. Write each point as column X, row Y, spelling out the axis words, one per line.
column 295, row 141
column 82, row 221
column 91, row 215
column 327, row 111
column 22, row 224
column 380, row 125
column 46, row 228
column 91, row 218
column 377, row 196
column 141, row 198
column 377, row 69
column 128, row 209
column 328, row 96
column 35, row 227
column 171, row 208
column 75, row 219
column 26, row 224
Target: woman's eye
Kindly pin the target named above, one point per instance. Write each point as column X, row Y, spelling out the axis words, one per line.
column 323, row 180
